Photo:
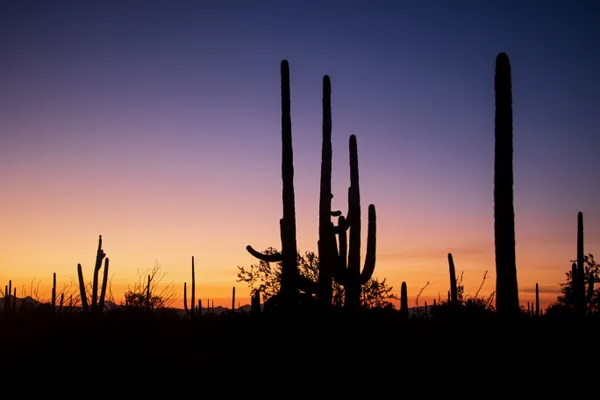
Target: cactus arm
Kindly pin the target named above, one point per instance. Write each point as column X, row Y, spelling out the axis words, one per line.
column 99, row 257
column 104, row 285
column 265, row 257
column 453, row 288
column 84, row 303
column 341, row 273
column 369, row 266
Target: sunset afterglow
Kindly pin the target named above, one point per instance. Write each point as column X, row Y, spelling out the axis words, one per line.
column 158, row 127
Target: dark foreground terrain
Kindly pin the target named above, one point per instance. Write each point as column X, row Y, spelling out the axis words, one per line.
column 241, row 341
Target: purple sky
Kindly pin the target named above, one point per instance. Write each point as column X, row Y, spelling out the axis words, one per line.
column 160, row 100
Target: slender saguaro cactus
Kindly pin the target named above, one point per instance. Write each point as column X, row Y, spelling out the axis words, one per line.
column 104, row 285
column 97, row 304
column 404, row 301
column 54, row 292
column 233, row 299
column 290, row 278
column 453, row 288
column 349, row 272
column 580, row 302
column 326, row 243
column 9, row 303
column 82, row 293
column 99, row 257
column 507, row 296
column 193, row 300
column 537, row 300
column 191, row 312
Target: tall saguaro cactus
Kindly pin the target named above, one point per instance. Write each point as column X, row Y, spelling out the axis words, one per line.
column 288, row 293
column 349, row 272
column 580, row 295
column 507, row 296
column 326, row 243
column 537, row 300
column 97, row 304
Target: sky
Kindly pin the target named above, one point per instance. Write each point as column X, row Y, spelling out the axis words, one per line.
column 157, row 125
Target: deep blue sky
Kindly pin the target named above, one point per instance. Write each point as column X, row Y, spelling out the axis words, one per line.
column 150, row 100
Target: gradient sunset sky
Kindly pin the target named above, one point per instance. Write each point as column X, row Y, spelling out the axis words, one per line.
column 156, row 124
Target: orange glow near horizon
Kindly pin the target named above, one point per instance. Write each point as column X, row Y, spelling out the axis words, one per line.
column 36, row 253
column 52, row 227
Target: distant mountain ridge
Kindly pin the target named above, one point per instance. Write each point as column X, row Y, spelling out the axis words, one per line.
column 109, row 305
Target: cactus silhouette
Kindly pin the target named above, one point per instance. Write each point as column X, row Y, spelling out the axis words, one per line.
column 191, row 312
column 579, row 278
column 537, row 300
column 53, row 292
column 453, row 288
column 349, row 272
column 507, row 296
column 291, row 280
column 233, row 300
column 403, row 301
column 326, row 243
column 97, row 304
column 10, row 299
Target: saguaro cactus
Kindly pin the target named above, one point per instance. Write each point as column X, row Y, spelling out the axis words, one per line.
column 54, row 292
column 233, row 299
column 326, row 244
column 97, row 305
column 579, row 283
column 537, row 300
column 453, row 288
column 507, row 296
column 290, row 278
column 349, row 272
column 191, row 311
column 404, row 301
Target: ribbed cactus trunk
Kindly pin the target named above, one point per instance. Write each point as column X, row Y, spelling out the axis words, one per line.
column 99, row 257
column 580, row 281
column 354, row 278
column 574, row 283
column 82, row 291
column 289, row 270
column 193, row 299
column 326, row 243
column 453, row 288
column 54, row 292
column 185, row 306
column 288, row 292
column 352, row 288
column 537, row 300
column 403, row 301
column 104, row 286
column 233, row 299
column 507, row 296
